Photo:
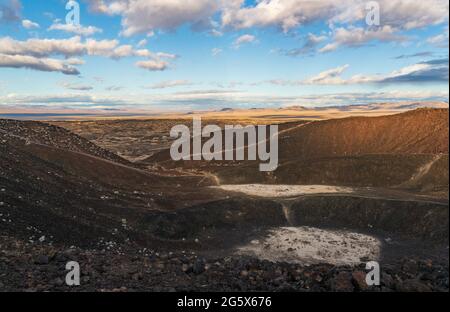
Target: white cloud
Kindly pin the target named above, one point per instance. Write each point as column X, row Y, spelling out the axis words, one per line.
column 288, row 14
column 77, row 87
column 144, row 16
column 216, row 51
column 69, row 48
column 122, row 51
column 187, row 101
column 153, row 65
column 440, row 40
column 114, row 88
column 166, row 55
column 284, row 14
column 75, row 61
column 110, row 7
column 29, row 24
column 357, row 36
column 331, row 76
column 216, row 33
column 150, row 54
column 74, row 46
column 142, row 43
column 309, row 47
column 411, row 14
column 171, row 84
column 66, row 47
column 430, row 71
column 243, row 40
column 76, row 29
column 42, row 64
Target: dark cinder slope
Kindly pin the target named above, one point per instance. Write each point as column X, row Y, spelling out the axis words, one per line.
column 56, row 185
column 46, row 134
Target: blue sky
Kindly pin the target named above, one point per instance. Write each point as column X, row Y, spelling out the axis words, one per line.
column 153, row 55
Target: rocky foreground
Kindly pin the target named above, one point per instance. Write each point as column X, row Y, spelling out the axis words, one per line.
column 36, row 268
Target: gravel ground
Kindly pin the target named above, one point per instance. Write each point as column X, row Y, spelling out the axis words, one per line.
column 37, row 268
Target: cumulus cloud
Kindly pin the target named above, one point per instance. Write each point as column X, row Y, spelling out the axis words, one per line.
column 42, row 64
column 29, row 24
column 243, row 40
column 283, row 14
column 144, row 16
column 344, row 18
column 153, row 65
column 124, row 51
column 288, row 14
column 357, row 36
column 75, row 46
column 407, row 14
column 67, row 47
column 75, row 61
column 76, row 29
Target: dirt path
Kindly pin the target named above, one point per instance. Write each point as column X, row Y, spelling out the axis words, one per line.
column 424, row 169
column 254, row 144
column 286, row 193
